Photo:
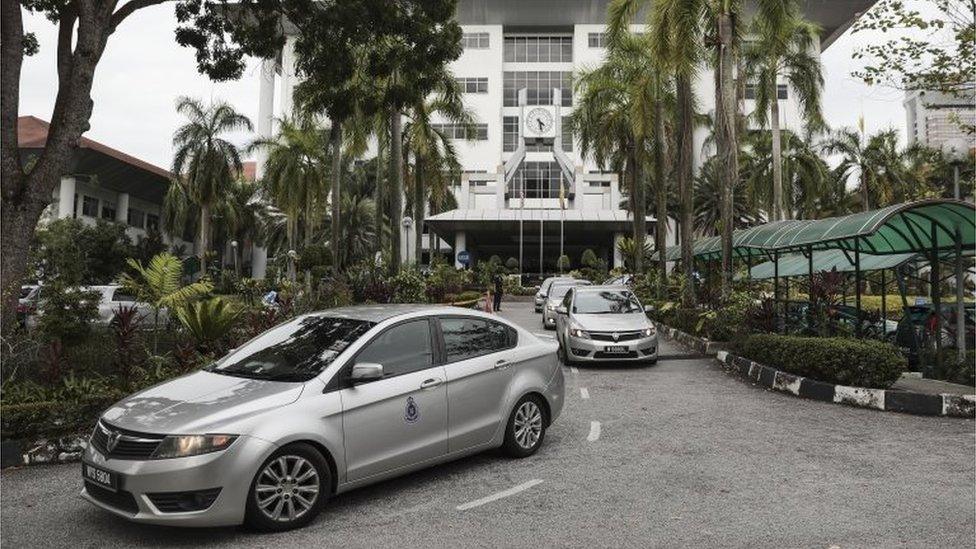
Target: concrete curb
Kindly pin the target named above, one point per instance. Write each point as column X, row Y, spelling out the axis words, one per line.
column 905, row 402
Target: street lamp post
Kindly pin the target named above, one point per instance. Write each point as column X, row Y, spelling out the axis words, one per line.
column 407, row 223
column 237, row 266
column 954, row 151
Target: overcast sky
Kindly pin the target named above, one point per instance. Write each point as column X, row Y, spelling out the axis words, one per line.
column 143, row 71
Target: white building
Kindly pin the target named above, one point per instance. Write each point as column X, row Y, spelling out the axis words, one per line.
column 517, row 66
column 935, row 118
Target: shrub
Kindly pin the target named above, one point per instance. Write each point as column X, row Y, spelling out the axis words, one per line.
column 128, row 349
column 855, row 362
column 209, row 322
column 512, row 264
column 67, row 313
column 408, row 287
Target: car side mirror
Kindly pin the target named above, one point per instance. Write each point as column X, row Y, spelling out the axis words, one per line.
column 562, row 310
column 364, row 372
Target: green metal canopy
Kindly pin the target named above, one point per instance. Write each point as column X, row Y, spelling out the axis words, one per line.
column 826, row 260
column 924, row 226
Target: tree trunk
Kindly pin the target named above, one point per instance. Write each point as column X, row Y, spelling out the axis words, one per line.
column 380, row 210
column 418, row 209
column 865, row 197
column 725, row 126
column 640, row 211
column 661, row 211
column 290, row 230
column 685, row 168
column 396, row 187
column 204, row 234
column 779, row 208
column 336, row 139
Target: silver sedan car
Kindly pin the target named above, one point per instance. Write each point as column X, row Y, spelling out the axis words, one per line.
column 543, row 294
column 555, row 296
column 317, row 406
column 604, row 323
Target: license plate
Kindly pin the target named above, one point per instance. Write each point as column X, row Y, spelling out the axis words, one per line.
column 101, row 477
column 615, row 349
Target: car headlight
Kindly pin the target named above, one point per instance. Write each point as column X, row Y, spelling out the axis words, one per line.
column 576, row 331
column 648, row 332
column 551, row 306
column 175, row 446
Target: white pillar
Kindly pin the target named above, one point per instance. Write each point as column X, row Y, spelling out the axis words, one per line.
column 460, row 245
column 122, row 208
column 500, row 189
column 66, row 197
column 287, row 85
column 259, row 254
column 618, row 258
column 464, row 201
column 614, row 192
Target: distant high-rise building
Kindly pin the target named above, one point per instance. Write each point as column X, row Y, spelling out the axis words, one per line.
column 935, row 117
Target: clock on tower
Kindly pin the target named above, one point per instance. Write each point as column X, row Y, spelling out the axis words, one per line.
column 540, row 122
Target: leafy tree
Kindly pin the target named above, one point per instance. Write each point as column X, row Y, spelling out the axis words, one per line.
column 76, row 253
column 804, row 174
column 876, row 163
column 784, row 49
column 205, row 162
column 934, row 47
column 160, row 285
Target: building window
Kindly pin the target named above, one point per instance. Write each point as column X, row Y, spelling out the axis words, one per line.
column 152, row 222
column 479, row 132
column 538, row 49
column 539, row 180
column 510, row 133
column 137, row 218
column 597, row 40
column 473, row 85
column 89, row 206
column 475, row 40
column 782, row 91
column 108, row 211
column 538, row 86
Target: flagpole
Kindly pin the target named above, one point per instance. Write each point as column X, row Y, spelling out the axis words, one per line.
column 521, row 220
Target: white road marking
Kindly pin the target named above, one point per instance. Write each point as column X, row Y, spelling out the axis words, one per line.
column 499, row 495
column 575, row 370
column 594, row 432
column 584, row 393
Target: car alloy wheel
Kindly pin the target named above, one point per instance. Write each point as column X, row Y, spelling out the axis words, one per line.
column 287, row 488
column 528, row 425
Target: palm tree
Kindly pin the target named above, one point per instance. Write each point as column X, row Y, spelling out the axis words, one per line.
column 882, row 176
column 205, row 162
column 785, row 46
column 433, row 151
column 709, row 217
column 295, row 176
column 617, row 120
column 804, row 173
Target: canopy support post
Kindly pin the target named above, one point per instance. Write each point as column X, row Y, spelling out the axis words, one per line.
column 779, row 321
column 960, row 292
column 884, row 304
column 936, row 297
column 857, row 288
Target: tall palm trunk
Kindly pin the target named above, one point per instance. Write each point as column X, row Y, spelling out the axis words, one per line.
column 309, row 228
column 380, row 210
column 863, row 180
column 779, row 211
column 335, row 138
column 685, row 148
column 204, row 234
column 291, row 230
column 640, row 210
column 661, row 211
column 418, row 208
column 396, row 187
column 725, row 122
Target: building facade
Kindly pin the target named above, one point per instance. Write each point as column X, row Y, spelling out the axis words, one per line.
column 525, row 191
column 935, row 118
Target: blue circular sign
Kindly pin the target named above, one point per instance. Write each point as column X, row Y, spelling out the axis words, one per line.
column 464, row 257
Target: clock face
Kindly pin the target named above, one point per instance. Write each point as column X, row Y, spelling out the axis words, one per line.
column 538, row 122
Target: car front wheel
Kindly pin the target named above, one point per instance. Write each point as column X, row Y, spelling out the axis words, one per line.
column 288, row 490
column 526, row 427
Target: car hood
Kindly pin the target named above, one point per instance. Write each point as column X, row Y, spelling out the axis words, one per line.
column 612, row 322
column 198, row 403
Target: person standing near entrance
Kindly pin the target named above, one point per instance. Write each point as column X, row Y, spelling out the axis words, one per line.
column 497, row 293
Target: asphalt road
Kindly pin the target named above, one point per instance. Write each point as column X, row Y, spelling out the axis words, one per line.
column 684, row 455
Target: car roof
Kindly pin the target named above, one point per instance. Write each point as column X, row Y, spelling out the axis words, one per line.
column 600, row 287
column 572, row 282
column 380, row 312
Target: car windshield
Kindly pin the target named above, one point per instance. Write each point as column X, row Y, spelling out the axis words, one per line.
column 294, row 351
column 605, row 302
column 559, row 291
column 547, row 284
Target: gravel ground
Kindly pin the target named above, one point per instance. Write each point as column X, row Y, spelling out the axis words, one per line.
column 687, row 456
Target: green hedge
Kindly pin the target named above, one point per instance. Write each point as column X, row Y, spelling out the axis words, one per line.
column 51, row 419
column 854, row 362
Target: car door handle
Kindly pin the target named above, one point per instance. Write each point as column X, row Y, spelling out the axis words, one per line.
column 501, row 364
column 432, row 382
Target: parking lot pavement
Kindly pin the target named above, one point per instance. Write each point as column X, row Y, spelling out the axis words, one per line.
column 678, row 454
